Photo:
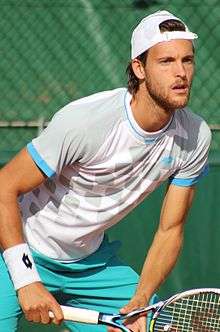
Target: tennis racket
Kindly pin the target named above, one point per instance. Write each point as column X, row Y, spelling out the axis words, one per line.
column 195, row 310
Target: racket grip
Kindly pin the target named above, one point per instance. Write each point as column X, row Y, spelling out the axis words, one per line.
column 79, row 315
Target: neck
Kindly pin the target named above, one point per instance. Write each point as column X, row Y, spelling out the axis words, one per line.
column 147, row 113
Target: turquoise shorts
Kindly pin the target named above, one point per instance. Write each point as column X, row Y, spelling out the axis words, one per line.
column 99, row 282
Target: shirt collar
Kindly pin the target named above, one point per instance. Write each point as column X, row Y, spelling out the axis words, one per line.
column 147, row 137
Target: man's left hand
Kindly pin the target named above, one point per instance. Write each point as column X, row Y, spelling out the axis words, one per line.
column 135, row 324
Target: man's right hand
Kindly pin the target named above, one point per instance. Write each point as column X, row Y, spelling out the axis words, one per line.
column 36, row 302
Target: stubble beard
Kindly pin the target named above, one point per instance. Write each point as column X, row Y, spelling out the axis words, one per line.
column 161, row 100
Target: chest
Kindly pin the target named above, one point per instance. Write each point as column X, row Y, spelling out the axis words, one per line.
column 130, row 165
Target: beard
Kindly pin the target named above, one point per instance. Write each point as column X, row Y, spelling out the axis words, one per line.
column 162, row 100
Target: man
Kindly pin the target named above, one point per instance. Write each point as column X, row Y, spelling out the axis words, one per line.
column 99, row 158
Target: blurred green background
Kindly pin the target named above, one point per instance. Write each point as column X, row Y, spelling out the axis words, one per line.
column 55, row 51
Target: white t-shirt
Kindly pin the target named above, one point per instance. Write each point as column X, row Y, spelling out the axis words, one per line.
column 100, row 165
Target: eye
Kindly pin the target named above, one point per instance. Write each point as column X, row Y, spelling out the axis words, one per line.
column 189, row 60
column 166, row 61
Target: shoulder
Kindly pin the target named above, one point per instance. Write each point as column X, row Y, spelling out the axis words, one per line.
column 100, row 109
column 88, row 121
column 94, row 105
column 193, row 124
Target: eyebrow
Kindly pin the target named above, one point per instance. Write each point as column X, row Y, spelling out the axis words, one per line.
column 189, row 56
column 170, row 57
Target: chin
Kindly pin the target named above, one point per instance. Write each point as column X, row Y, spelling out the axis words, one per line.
column 178, row 103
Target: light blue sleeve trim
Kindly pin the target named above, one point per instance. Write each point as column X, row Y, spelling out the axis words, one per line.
column 39, row 161
column 189, row 182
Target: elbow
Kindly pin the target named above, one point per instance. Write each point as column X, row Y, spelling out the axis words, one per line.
column 8, row 189
column 177, row 227
column 174, row 233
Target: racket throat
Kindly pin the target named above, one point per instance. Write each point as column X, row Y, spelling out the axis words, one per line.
column 110, row 320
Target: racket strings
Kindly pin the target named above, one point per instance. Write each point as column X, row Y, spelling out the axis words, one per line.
column 195, row 313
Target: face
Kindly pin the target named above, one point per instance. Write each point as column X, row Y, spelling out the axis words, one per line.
column 169, row 72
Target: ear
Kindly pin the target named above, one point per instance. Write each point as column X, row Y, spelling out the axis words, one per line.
column 138, row 69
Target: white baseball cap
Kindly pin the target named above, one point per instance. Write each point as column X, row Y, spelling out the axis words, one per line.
column 147, row 33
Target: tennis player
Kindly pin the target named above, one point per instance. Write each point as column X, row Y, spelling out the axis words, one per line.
column 99, row 157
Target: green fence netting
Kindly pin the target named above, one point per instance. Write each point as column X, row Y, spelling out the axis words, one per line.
column 54, row 51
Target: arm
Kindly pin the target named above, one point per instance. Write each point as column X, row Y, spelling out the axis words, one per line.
column 164, row 249
column 21, row 175
column 167, row 242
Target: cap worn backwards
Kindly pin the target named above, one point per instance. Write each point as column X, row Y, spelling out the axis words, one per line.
column 147, row 33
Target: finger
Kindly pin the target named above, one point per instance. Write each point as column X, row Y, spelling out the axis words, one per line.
column 33, row 316
column 45, row 318
column 136, row 324
column 57, row 313
column 136, row 302
column 128, row 308
column 113, row 329
column 143, row 324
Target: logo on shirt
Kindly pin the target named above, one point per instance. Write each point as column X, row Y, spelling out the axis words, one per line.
column 26, row 261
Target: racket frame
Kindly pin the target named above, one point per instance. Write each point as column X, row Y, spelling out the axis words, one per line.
column 116, row 320
column 175, row 297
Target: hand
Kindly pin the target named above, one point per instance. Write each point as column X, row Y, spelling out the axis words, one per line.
column 36, row 302
column 135, row 324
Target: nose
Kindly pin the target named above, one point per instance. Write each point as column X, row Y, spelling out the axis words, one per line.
column 180, row 70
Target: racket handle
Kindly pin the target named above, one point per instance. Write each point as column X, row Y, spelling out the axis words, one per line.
column 79, row 315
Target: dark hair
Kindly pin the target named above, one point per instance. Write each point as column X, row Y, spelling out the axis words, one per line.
column 133, row 81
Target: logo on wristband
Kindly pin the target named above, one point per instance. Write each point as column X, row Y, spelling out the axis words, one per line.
column 26, row 261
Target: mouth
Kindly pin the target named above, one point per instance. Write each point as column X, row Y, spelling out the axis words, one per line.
column 180, row 88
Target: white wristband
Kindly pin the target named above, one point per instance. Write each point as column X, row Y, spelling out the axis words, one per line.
column 21, row 265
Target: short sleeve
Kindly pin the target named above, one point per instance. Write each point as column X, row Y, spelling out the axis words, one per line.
column 60, row 144
column 195, row 165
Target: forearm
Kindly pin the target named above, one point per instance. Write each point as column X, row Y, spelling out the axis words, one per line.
column 160, row 260
column 19, row 176
column 11, row 232
column 34, row 299
column 168, row 239
column 16, row 253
